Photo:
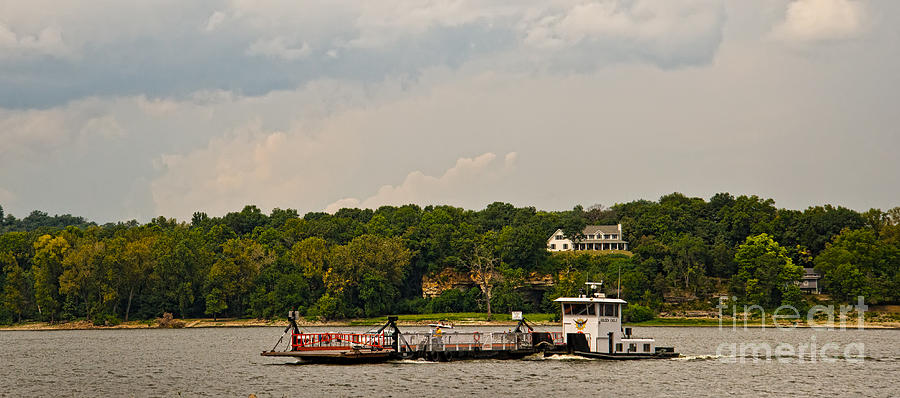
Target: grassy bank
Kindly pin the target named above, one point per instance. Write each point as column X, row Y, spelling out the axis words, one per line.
column 456, row 318
column 680, row 322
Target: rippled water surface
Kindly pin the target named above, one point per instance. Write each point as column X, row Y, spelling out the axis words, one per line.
column 226, row 362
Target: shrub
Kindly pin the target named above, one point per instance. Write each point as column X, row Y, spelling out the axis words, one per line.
column 451, row 300
column 106, row 320
column 169, row 322
column 327, row 308
column 637, row 313
column 415, row 305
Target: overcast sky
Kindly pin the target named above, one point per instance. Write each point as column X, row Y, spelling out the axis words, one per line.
column 117, row 110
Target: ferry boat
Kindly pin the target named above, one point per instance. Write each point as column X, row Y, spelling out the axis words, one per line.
column 591, row 327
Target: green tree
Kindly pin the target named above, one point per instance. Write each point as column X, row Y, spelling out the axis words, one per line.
column 637, row 313
column 183, row 261
column 506, row 296
column 246, row 220
column 48, row 256
column 80, row 269
column 523, row 246
column 234, row 274
column 573, row 226
column 309, row 255
column 857, row 263
column 689, row 259
column 328, row 307
column 765, row 271
column 15, row 287
column 483, row 263
column 137, row 263
column 366, row 273
column 215, row 303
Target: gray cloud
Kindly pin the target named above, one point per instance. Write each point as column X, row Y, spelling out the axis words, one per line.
column 222, row 104
column 175, row 49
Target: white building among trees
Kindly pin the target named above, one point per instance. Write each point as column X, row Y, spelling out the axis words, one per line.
column 595, row 237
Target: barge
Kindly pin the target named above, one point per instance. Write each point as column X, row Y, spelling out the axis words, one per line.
column 591, row 327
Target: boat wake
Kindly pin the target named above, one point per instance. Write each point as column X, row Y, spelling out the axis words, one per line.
column 693, row 358
column 412, row 362
column 557, row 357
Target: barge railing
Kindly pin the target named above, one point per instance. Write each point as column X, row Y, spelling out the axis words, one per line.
column 417, row 341
column 337, row 341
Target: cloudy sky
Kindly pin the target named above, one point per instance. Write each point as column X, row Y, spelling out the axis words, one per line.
column 118, row 110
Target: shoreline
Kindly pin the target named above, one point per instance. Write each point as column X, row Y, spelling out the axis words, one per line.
column 232, row 323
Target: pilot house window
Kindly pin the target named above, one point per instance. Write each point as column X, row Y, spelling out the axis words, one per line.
column 578, row 309
column 610, row 309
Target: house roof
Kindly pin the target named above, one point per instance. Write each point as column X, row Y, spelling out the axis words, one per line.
column 596, row 230
column 810, row 273
column 605, row 229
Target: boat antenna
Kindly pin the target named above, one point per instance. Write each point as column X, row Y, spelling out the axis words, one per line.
column 596, row 287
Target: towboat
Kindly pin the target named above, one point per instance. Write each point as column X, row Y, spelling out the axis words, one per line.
column 591, row 327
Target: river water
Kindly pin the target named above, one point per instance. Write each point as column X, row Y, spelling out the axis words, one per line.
column 226, row 362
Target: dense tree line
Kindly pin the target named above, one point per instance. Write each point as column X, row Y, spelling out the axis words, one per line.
column 371, row 262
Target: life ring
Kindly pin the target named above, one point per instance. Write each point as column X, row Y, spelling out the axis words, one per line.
column 476, row 336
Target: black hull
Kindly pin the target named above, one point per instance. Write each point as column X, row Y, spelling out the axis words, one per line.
column 361, row 357
column 336, row 357
column 619, row 357
column 364, row 357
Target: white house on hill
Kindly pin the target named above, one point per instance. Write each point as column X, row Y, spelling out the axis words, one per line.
column 596, row 237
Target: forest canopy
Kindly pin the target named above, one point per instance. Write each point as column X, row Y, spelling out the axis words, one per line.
column 362, row 262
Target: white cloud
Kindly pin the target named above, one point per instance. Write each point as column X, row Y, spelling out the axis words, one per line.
column 642, row 21
column 278, row 47
column 471, row 182
column 384, row 22
column 822, row 20
column 214, row 21
column 156, row 106
column 48, row 41
column 252, row 165
column 346, row 203
column 25, row 133
column 105, row 126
